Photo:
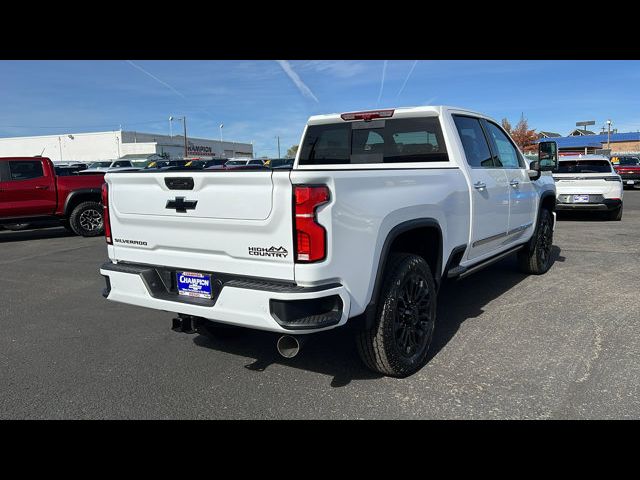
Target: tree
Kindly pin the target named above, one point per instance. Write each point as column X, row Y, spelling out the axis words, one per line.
column 291, row 153
column 523, row 135
column 506, row 125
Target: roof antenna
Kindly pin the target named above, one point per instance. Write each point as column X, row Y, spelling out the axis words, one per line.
column 41, row 152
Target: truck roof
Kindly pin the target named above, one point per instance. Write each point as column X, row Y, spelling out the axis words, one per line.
column 398, row 112
column 6, row 159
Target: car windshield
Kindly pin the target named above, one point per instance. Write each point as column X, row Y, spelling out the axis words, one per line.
column 583, row 166
column 631, row 161
column 99, row 164
column 236, row 162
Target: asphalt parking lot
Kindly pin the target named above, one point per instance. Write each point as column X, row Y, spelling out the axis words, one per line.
column 563, row 345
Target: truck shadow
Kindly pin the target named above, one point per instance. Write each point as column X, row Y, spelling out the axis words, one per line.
column 35, row 234
column 334, row 353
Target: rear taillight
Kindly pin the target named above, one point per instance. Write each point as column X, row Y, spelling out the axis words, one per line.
column 367, row 116
column 105, row 213
column 311, row 237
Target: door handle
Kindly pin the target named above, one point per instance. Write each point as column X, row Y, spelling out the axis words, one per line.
column 479, row 185
column 42, row 187
column 514, row 183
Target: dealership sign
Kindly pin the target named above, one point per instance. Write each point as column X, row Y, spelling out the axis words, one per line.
column 200, row 150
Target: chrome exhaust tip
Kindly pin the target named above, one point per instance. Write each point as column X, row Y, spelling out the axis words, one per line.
column 288, row 346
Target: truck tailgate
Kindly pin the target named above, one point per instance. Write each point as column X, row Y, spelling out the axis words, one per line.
column 237, row 222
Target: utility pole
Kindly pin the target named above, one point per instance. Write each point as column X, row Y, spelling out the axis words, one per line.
column 184, row 123
column 278, row 137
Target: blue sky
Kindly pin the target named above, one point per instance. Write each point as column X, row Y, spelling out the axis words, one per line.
column 257, row 100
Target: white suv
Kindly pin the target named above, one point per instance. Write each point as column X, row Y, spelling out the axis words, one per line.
column 588, row 182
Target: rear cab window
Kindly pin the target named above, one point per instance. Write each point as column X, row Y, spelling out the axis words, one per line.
column 383, row 141
column 25, row 169
column 583, row 166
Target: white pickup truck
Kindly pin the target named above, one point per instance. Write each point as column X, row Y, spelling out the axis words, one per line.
column 378, row 209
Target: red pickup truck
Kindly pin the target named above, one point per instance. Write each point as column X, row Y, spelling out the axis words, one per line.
column 629, row 170
column 31, row 191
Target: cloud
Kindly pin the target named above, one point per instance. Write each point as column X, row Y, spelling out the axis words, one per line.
column 415, row 62
column 295, row 78
column 156, row 78
column 384, row 72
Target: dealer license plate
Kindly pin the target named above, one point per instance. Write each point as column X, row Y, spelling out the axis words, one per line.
column 192, row 284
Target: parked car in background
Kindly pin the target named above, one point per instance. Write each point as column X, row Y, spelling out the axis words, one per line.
column 164, row 164
column 109, row 165
column 379, row 209
column 281, row 162
column 628, row 168
column 588, row 182
column 32, row 191
column 202, row 164
column 69, row 169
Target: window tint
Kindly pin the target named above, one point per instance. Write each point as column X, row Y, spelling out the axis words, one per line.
column 629, row 161
column 256, row 162
column 24, row 170
column 379, row 141
column 124, row 163
column 583, row 166
column 507, row 154
column 473, row 141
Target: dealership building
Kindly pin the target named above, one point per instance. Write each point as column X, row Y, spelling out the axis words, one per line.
column 117, row 144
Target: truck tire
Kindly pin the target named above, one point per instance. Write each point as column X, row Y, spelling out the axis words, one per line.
column 535, row 257
column 615, row 215
column 86, row 219
column 398, row 342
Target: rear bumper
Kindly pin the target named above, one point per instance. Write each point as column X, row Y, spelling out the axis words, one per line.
column 252, row 303
column 605, row 205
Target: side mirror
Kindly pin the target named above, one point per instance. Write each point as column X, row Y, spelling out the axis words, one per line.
column 534, row 170
column 547, row 156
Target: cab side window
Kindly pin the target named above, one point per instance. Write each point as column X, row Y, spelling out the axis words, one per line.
column 507, row 154
column 474, row 142
column 25, row 169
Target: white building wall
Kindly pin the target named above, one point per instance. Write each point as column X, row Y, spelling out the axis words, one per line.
column 147, row 148
column 96, row 146
column 80, row 147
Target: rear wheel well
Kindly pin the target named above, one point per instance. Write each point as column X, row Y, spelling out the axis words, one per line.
column 424, row 242
column 76, row 200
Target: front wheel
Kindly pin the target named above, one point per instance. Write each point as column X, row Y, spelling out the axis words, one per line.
column 86, row 219
column 535, row 257
column 398, row 342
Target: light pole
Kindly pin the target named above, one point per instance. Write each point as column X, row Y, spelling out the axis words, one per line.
column 278, row 137
column 184, row 124
column 220, row 127
column 608, row 134
column 170, row 129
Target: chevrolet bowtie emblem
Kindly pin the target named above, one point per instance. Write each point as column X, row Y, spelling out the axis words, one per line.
column 181, row 205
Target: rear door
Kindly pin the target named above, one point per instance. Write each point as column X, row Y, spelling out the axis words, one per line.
column 523, row 200
column 490, row 189
column 236, row 222
column 28, row 189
